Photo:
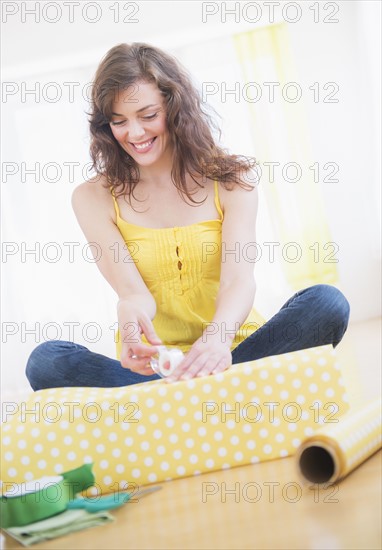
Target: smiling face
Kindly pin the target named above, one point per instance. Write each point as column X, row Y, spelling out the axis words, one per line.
column 139, row 124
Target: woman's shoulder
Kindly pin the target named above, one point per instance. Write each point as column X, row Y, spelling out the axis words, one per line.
column 94, row 193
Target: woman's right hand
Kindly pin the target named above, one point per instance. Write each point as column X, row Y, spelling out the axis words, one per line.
column 133, row 322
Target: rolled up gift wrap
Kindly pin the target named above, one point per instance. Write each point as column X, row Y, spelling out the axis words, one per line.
column 25, row 503
column 337, row 449
column 168, row 360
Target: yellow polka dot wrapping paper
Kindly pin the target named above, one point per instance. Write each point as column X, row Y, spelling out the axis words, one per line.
column 336, row 450
column 156, row 431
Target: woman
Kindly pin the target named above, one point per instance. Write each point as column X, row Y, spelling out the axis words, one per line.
column 173, row 214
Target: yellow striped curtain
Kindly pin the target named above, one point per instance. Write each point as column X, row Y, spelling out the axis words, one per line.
column 280, row 135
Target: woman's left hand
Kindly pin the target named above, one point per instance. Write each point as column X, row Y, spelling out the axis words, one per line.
column 203, row 358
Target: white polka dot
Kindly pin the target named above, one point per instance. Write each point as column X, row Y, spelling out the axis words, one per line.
column 189, row 443
column 80, row 428
column 182, row 411
column 25, row 460
column 292, row 367
column 141, row 430
column 19, row 429
column 153, row 418
column 177, row 454
column 41, row 464
column 193, row 459
column 300, row 399
column 157, row 434
column 325, row 376
column 68, row 440
column 263, row 432
column 247, row 428
column 12, row 472
column 88, row 459
column 267, row 390
column 164, row 466
column 313, row 388
column 284, row 452
column 8, row 456
column 117, row 452
column 170, row 422
column 186, row 427
column 309, row 371
column 72, row 455
column 284, row 394
column 112, row 436
column 202, row 431
column 129, row 441
column 55, row 452
column 166, row 407
column 104, row 464
column 64, row 425
column 251, row 444
column 231, row 424
column 280, row 437
column 96, row 432
column 223, row 392
column 120, row 468
column 148, row 461
column 206, row 388
column 178, row 395
column 251, row 385
column 100, row 448
column 181, row 470
column 234, row 440
column 292, row 426
column 296, row 442
column 308, row 431
column 255, row 460
column 109, row 421
column 38, row 448
column 21, row 443
column 218, row 436
column 132, row 457
column 173, row 438
column 222, row 451
column 329, row 392
column 198, row 416
column 238, row 456
column 161, row 450
column 210, row 463
column 108, row 480
column 150, row 402
column 135, row 473
column 235, row 381
column 267, row 449
column 321, row 361
column 263, row 374
column 84, row 444
column 190, row 384
column 206, row 447
column 280, row 378
column 152, row 478
column 296, row 383
column 35, row 432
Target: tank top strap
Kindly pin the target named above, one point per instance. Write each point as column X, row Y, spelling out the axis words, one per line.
column 217, row 202
column 115, row 203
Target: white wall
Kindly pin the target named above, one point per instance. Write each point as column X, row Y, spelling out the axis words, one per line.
column 56, row 294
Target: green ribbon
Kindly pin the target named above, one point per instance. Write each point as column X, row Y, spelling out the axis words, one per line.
column 40, row 499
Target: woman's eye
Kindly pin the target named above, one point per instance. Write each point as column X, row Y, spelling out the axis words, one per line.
column 150, row 117
column 117, row 123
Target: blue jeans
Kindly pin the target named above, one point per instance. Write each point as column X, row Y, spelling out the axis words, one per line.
column 312, row 317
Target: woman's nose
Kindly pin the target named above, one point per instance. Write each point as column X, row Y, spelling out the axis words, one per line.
column 136, row 132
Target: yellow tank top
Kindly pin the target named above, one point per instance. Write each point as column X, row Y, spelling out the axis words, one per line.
column 181, row 268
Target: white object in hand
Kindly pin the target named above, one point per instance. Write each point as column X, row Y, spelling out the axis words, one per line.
column 167, row 361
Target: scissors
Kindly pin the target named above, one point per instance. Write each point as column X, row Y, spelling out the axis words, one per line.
column 107, row 502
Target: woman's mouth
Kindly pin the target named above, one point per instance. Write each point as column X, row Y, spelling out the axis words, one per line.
column 144, row 146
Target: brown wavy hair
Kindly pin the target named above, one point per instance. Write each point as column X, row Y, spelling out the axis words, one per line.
column 190, row 126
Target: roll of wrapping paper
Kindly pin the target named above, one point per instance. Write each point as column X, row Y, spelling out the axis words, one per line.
column 337, row 449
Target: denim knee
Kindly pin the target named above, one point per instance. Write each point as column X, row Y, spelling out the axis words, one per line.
column 336, row 308
column 40, row 369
